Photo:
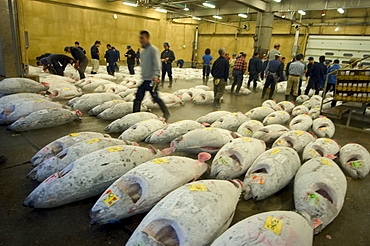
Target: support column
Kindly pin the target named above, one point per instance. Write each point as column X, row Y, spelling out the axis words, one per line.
column 13, row 60
column 262, row 38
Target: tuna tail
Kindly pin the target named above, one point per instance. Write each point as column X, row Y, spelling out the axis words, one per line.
column 32, row 174
column 166, row 151
column 204, row 156
column 247, row 192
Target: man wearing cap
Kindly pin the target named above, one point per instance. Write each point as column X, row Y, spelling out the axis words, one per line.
column 167, row 57
column 240, row 67
column 273, row 72
column 77, row 44
column 254, row 69
column 56, row 64
column 296, row 69
column 274, row 51
column 220, row 73
column 95, row 57
column 110, row 57
column 316, row 74
column 151, row 67
column 131, row 55
column 81, row 61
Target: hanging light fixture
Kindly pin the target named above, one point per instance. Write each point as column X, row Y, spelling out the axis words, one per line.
column 196, row 18
column 323, row 13
column 340, row 10
column 186, row 8
column 130, row 4
column 336, row 29
column 283, row 15
column 217, row 17
column 161, row 10
column 301, row 12
column 243, row 15
column 209, row 5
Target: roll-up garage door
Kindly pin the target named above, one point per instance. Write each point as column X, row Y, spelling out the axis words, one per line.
column 338, row 47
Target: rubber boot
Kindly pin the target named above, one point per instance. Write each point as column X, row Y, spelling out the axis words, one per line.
column 271, row 93
column 137, row 106
column 263, row 92
column 207, row 78
column 286, row 97
column 232, row 89
column 162, row 82
column 170, row 85
column 216, row 103
column 294, row 98
column 254, row 88
column 204, row 80
column 166, row 113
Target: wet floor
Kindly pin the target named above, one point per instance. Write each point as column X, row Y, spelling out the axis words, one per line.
column 69, row 224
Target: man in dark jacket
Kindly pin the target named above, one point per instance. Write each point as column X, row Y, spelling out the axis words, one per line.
column 138, row 57
column 254, row 69
column 95, row 57
column 77, row 44
column 220, row 73
column 110, row 57
column 273, row 72
column 131, row 55
column 118, row 57
column 81, row 61
column 316, row 74
column 264, row 61
column 167, row 57
column 56, row 64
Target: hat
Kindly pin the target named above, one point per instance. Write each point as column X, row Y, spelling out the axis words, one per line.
column 234, row 54
column 128, row 47
column 327, row 62
column 166, row 44
column 336, row 61
column 310, row 58
column 67, row 48
column 277, row 55
column 276, row 45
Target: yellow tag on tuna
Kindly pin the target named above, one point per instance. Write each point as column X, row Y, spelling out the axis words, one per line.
column 66, row 89
column 74, row 134
column 114, row 149
column 326, row 162
column 91, row 141
column 298, row 132
column 247, row 139
column 160, row 160
column 110, row 198
column 197, row 187
column 273, row 224
column 327, row 140
column 38, row 100
column 275, row 151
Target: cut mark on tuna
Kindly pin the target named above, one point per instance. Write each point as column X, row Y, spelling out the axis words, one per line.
column 132, row 189
column 324, row 194
column 162, row 232
column 261, row 170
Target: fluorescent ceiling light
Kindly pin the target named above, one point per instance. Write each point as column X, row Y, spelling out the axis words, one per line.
column 243, row 15
column 209, row 5
column 340, row 10
column 130, row 4
column 217, row 17
column 186, row 9
column 301, row 12
column 278, row 1
column 196, row 18
column 161, row 10
column 336, row 29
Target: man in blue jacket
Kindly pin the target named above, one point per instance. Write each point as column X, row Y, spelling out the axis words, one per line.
column 317, row 73
column 167, row 57
column 332, row 80
column 110, row 57
column 95, row 57
column 220, row 73
column 254, row 69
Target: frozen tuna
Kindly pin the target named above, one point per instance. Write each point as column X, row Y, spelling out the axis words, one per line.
column 270, row 133
column 259, row 113
column 301, row 109
column 301, row 122
column 321, row 147
column 62, row 143
column 141, row 188
column 277, row 117
column 8, row 100
column 234, row 158
column 172, row 131
column 285, row 105
column 355, row 159
column 194, row 214
column 100, row 108
column 88, row 176
column 206, row 139
column 270, row 172
column 301, row 99
column 270, row 228
column 56, row 163
column 120, row 125
column 314, row 113
column 230, row 121
column 206, row 97
column 248, row 128
column 118, row 111
column 294, row 139
column 323, row 127
column 89, row 101
column 19, row 85
column 269, row 104
column 44, row 118
column 319, row 190
column 212, row 117
column 141, row 130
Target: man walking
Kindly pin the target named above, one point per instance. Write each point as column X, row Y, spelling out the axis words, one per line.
column 77, row 44
column 273, row 72
column 81, row 61
column 110, row 57
column 167, row 57
column 220, row 73
column 239, row 69
column 95, row 57
column 275, row 51
column 151, row 67
column 296, row 69
column 317, row 74
column 131, row 55
column 254, row 69
column 207, row 60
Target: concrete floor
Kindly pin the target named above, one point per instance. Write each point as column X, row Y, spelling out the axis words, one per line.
column 69, row 224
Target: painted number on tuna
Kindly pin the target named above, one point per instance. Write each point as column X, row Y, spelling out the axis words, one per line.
column 298, row 132
column 197, row 187
column 91, row 141
column 273, row 224
column 356, row 164
column 275, row 151
column 114, row 149
column 247, row 139
column 160, row 161
column 110, row 198
column 74, row 134
column 258, row 179
column 326, row 162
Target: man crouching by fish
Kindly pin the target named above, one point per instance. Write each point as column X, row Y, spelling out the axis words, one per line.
column 220, row 73
column 150, row 69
